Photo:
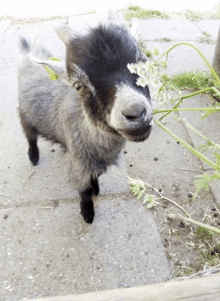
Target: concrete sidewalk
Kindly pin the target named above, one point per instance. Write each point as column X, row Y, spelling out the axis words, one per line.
column 46, row 248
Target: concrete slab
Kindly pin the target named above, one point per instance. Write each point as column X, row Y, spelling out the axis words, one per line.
column 51, row 251
column 211, row 27
column 83, row 21
column 184, row 58
column 176, row 30
column 3, row 26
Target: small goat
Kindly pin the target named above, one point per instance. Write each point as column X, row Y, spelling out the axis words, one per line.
column 94, row 106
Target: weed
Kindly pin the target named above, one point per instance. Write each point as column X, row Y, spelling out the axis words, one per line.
column 134, row 8
column 148, row 53
column 164, row 40
column 203, row 234
column 192, row 15
column 188, row 80
column 208, row 258
column 188, row 272
column 143, row 44
column 161, row 64
column 140, row 13
column 206, row 38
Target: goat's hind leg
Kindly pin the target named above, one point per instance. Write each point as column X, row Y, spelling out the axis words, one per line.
column 31, row 135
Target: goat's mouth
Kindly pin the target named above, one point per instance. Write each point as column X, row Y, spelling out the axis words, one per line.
column 136, row 135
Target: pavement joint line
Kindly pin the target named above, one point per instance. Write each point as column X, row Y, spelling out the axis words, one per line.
column 44, row 204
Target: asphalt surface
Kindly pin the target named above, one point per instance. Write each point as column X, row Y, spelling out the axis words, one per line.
column 46, row 249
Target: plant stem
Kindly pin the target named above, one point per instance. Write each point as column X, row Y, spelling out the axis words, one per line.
column 189, row 147
column 186, row 109
column 186, row 219
column 188, row 96
column 165, row 198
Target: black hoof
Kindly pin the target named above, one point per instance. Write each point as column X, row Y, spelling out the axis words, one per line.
column 33, row 155
column 87, row 211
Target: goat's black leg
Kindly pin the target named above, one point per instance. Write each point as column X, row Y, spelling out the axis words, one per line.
column 86, row 204
column 95, row 185
column 33, row 151
column 31, row 135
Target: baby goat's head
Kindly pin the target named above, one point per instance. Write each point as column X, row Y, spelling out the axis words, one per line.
column 96, row 66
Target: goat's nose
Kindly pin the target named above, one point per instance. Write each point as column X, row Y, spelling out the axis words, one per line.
column 134, row 111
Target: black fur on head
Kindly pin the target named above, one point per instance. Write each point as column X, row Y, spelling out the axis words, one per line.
column 103, row 54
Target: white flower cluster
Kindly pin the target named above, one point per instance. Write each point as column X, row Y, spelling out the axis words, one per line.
column 149, row 74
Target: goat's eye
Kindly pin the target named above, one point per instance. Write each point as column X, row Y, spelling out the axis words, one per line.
column 78, row 87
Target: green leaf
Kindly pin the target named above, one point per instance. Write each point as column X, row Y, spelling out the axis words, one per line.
column 137, row 187
column 55, row 59
column 208, row 112
column 203, row 182
column 151, row 200
column 156, row 51
column 52, row 74
column 217, row 156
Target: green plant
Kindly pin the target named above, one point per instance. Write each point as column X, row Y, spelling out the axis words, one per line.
column 202, row 233
column 192, row 15
column 206, row 38
column 51, row 73
column 148, row 53
column 164, row 40
column 138, row 12
column 138, row 188
column 149, row 74
column 191, row 80
column 134, row 8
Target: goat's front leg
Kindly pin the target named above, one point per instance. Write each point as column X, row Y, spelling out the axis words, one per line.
column 95, row 185
column 86, row 204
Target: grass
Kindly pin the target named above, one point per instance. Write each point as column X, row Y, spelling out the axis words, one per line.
column 140, row 13
column 188, row 80
column 203, row 234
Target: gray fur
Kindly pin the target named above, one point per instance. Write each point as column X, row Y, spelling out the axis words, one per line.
column 57, row 110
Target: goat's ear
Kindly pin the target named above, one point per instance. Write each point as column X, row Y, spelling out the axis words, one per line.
column 64, row 33
column 57, row 66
